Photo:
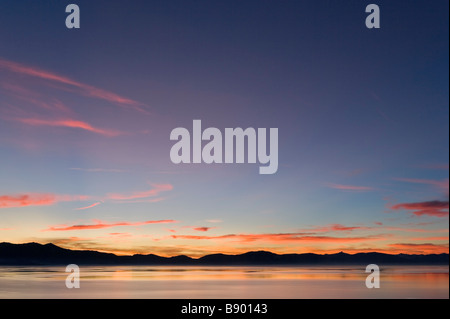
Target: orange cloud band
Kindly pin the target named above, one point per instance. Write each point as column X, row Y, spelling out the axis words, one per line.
column 276, row 238
column 7, row 201
column 431, row 208
column 102, row 225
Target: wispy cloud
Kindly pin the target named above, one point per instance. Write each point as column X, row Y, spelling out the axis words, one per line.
column 442, row 185
column 137, row 201
column 415, row 230
column 32, row 97
column 69, row 123
column 202, row 229
column 18, row 90
column 98, row 224
column 119, row 235
column 37, row 199
column 155, row 191
column 90, row 206
column 335, row 228
column 279, row 238
column 432, row 208
column 378, row 227
column 83, row 89
column 99, row 170
column 23, row 200
column 349, row 187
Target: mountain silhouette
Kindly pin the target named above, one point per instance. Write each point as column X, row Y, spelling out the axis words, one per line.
column 50, row 254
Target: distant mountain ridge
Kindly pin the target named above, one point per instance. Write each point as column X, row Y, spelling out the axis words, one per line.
column 50, row 254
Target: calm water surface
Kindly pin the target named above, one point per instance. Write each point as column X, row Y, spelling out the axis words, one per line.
column 178, row 282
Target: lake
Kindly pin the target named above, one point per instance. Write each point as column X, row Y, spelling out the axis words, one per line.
column 178, row 282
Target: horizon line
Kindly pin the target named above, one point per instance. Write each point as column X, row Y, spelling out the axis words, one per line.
column 225, row 254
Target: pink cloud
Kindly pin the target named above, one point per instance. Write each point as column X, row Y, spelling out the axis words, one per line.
column 35, row 98
column 431, row 212
column 155, row 191
column 19, row 91
column 336, row 227
column 84, row 89
column 431, row 208
column 101, row 225
column 145, row 200
column 73, row 198
column 349, row 187
column 379, row 226
column 36, row 199
column 202, row 229
column 23, row 200
column 120, row 235
column 90, row 206
column 441, row 185
column 70, row 124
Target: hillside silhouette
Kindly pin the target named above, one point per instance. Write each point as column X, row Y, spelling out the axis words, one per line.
column 50, row 254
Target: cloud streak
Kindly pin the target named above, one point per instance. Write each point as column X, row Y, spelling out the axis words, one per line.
column 90, row 206
column 37, row 199
column 35, row 98
column 155, row 191
column 432, row 208
column 349, row 187
column 441, row 185
column 84, row 89
column 336, row 228
column 101, row 225
column 278, row 238
column 98, row 170
column 69, row 123
column 24, row 200
column 202, row 229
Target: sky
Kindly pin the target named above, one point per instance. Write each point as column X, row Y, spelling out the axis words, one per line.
column 362, row 115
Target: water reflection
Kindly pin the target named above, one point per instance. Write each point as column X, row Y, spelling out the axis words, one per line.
column 224, row 282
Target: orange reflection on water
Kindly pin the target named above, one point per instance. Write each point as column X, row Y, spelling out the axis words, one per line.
column 225, row 282
column 396, row 273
